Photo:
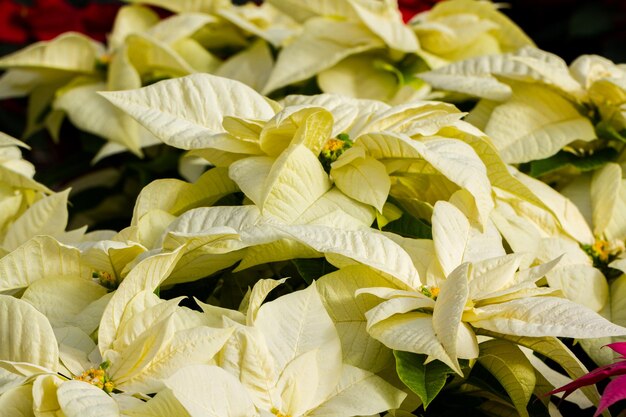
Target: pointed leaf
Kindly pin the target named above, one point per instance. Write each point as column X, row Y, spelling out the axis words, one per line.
column 359, row 392
column 295, row 324
column 426, row 380
column 543, row 316
column 302, row 12
column 176, row 197
column 63, row 298
column 179, row 26
column 480, row 76
column 74, row 348
column 39, row 258
column 146, row 275
column 246, row 356
column 605, row 190
column 47, row 216
column 614, row 392
column 385, row 21
column 347, row 311
column 336, row 209
column 130, row 19
column 80, row 399
column 252, row 66
column 70, row 52
column 411, row 332
column 187, row 347
column 210, row 391
column 323, row 43
column 449, row 309
column 164, row 404
column 17, row 402
column 364, row 179
column 582, row 284
column 27, row 334
column 554, row 349
column 509, row 35
column 360, row 76
column 298, row 394
column 90, row 112
column 144, row 311
column 535, row 124
column 369, row 248
column 294, row 183
column 185, row 112
column 511, row 368
column 451, row 231
column 260, row 290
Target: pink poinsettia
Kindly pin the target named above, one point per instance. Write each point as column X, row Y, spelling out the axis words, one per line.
column 614, row 391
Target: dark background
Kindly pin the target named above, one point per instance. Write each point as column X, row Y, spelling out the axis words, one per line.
column 570, row 28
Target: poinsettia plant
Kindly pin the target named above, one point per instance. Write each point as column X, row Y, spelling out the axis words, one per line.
column 317, row 229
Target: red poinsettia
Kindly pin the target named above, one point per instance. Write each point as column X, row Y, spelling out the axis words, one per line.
column 614, row 391
column 46, row 19
column 410, row 8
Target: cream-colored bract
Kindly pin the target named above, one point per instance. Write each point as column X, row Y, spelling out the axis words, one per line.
column 533, row 105
column 460, row 29
column 336, row 35
column 471, row 290
column 289, row 357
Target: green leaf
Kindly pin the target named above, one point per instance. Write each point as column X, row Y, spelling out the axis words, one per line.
column 563, row 159
column 605, row 130
column 426, row 380
column 409, row 226
column 554, row 349
column 512, row 369
column 311, row 269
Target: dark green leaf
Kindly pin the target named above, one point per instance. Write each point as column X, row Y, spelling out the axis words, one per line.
column 564, row 159
column 498, row 409
column 505, row 361
column 409, row 226
column 424, row 380
column 555, row 350
column 605, row 130
column 312, row 269
column 482, row 379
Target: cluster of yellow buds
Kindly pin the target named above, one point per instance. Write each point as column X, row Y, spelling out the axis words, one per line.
column 430, row 292
column 105, row 279
column 604, row 250
column 98, row 378
column 333, row 149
